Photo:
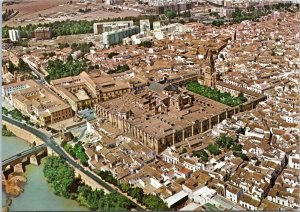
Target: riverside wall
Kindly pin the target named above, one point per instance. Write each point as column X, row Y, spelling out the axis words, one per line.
column 27, row 136
column 23, row 134
column 89, row 181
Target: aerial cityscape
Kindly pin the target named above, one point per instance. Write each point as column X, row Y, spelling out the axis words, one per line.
column 158, row 105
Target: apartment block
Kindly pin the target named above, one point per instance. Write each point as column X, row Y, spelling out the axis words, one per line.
column 115, row 37
column 144, row 26
column 99, row 28
column 14, row 35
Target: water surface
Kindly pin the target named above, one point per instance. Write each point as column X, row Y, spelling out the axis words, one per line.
column 37, row 195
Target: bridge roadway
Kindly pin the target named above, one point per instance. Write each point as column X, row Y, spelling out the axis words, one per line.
column 55, row 147
column 23, row 154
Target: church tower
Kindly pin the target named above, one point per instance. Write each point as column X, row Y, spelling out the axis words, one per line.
column 210, row 72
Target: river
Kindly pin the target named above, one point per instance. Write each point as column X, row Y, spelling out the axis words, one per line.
column 37, row 195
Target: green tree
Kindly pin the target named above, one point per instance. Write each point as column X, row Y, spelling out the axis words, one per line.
column 137, row 193
column 241, row 155
column 213, row 149
column 154, row 203
column 170, row 14
column 107, row 176
column 119, row 69
column 63, row 45
column 24, row 67
column 83, row 47
column 124, row 187
column 80, row 153
column 114, row 202
column 218, row 23
column 226, row 177
column 51, row 54
column 202, row 155
column 58, row 69
column 60, row 176
column 237, row 148
column 4, row 111
column 214, row 94
column 241, row 130
column 69, row 149
column 184, row 150
column 147, row 44
column 224, row 141
column 111, row 54
column 242, row 97
column 70, row 27
column 93, row 197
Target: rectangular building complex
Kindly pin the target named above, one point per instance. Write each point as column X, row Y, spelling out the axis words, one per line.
column 35, row 100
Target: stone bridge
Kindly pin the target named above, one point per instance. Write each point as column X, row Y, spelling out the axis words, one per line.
column 18, row 162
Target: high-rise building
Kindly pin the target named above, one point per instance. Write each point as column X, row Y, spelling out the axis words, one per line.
column 156, row 25
column 114, row 37
column 171, row 29
column 144, row 25
column 112, row 2
column 14, row 35
column 161, row 6
column 99, row 28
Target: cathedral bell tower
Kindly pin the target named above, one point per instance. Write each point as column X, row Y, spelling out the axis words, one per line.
column 210, row 72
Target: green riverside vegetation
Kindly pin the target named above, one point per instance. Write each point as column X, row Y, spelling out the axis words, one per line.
column 152, row 202
column 77, row 152
column 215, row 94
column 61, row 177
column 6, row 132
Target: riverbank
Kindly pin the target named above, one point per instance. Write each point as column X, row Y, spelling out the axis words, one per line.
column 13, row 185
column 61, row 177
column 37, row 194
column 6, row 132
